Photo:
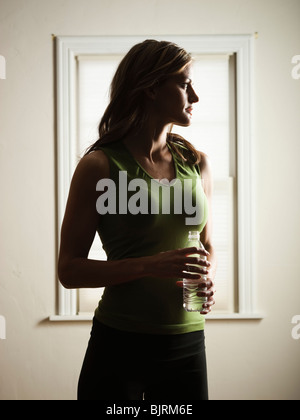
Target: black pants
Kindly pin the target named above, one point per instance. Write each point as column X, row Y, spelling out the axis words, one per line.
column 128, row 366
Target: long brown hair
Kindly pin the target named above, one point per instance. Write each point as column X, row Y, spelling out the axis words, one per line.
column 147, row 64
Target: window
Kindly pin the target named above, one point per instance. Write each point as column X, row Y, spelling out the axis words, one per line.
column 221, row 128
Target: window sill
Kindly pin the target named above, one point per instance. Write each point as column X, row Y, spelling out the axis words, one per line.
column 233, row 316
column 212, row 317
column 67, row 318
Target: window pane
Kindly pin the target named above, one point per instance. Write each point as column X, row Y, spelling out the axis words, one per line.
column 209, row 131
column 94, row 78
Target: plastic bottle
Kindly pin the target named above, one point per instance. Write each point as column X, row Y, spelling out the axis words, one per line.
column 192, row 302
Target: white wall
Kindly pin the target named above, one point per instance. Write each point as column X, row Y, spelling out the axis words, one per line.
column 246, row 359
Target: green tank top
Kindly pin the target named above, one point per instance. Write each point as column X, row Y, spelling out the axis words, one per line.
column 141, row 216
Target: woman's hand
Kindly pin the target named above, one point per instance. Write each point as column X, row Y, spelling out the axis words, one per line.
column 207, row 285
column 209, row 293
column 175, row 264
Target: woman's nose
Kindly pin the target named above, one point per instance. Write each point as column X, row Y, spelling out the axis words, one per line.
column 193, row 97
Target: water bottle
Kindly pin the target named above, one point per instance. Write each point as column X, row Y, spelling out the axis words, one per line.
column 192, row 302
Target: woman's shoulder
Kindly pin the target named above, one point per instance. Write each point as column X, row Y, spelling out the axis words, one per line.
column 206, row 172
column 204, row 161
column 94, row 164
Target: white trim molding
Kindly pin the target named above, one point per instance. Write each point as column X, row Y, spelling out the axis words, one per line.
column 69, row 47
column 88, row 317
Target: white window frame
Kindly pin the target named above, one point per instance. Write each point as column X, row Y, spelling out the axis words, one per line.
column 68, row 48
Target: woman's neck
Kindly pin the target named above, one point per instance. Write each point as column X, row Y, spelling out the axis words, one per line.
column 149, row 142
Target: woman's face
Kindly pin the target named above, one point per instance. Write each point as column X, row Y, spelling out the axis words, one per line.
column 175, row 97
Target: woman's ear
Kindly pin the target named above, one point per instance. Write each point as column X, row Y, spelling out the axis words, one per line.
column 151, row 91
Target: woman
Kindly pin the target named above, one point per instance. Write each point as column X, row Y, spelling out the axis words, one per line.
column 143, row 343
